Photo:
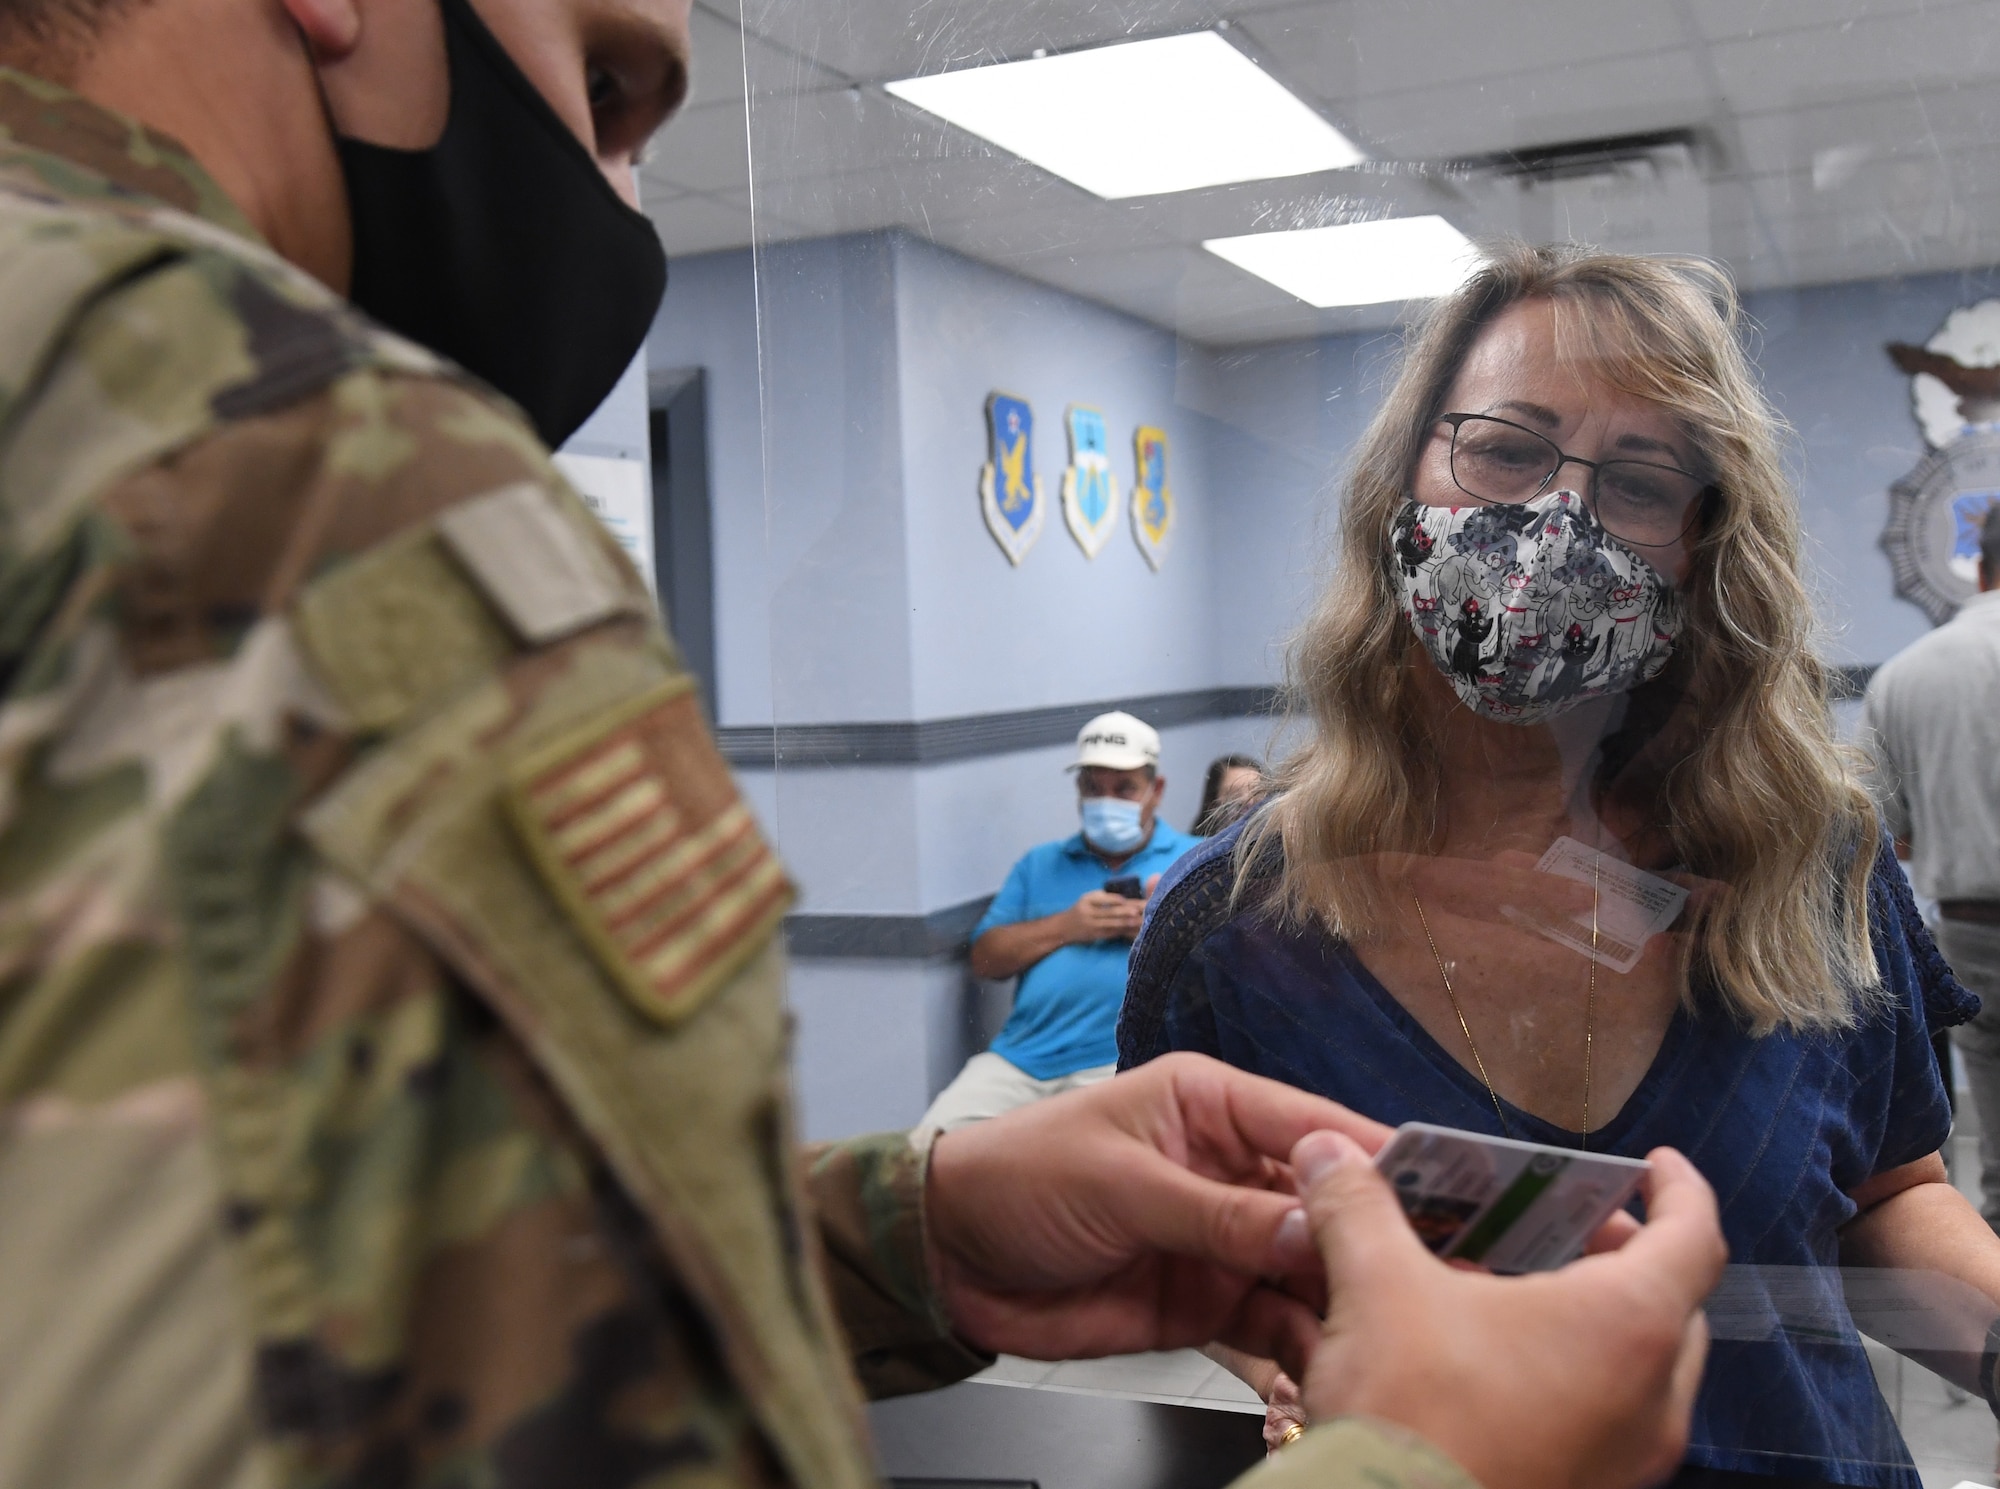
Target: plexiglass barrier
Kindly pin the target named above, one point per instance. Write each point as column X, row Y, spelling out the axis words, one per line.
column 1071, row 357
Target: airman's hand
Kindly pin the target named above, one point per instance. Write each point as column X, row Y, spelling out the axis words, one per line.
column 1582, row 1378
column 1141, row 1213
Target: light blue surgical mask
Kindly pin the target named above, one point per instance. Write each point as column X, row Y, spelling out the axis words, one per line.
column 1111, row 824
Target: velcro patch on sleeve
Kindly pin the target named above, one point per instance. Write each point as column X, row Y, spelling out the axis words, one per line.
column 396, row 629
column 636, row 825
column 536, row 562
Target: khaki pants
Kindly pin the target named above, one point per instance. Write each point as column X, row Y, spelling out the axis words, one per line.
column 1974, row 953
column 990, row 1085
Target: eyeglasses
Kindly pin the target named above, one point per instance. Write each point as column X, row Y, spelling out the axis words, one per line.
column 1635, row 500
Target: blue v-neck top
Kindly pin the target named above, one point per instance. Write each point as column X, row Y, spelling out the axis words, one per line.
column 1783, row 1127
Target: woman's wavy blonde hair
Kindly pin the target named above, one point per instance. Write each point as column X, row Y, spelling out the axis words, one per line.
column 1730, row 751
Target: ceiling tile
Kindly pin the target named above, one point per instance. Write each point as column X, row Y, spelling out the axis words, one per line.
column 1855, row 137
column 919, row 192
column 835, row 130
column 1725, row 20
column 1624, row 95
column 1008, row 237
column 883, row 40
column 1949, row 206
column 698, row 224
column 1339, row 54
column 705, row 149
column 1925, row 50
column 715, row 71
column 1906, row 122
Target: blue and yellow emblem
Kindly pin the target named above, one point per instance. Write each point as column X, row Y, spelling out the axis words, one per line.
column 1152, row 502
column 1089, row 489
column 1010, row 492
column 1937, row 510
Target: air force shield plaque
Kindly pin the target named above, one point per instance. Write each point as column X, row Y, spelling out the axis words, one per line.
column 1010, row 493
column 1089, row 489
column 1935, row 513
column 1937, row 510
column 1152, row 502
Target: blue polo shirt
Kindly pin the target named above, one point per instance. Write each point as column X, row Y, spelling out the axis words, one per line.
column 1065, row 1016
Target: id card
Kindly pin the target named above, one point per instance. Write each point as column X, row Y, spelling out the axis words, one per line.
column 1632, row 905
column 1508, row 1205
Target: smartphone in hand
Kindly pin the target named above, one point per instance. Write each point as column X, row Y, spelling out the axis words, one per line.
column 1127, row 885
column 1508, row 1205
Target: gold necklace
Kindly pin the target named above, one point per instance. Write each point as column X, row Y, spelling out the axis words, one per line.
column 1589, row 1008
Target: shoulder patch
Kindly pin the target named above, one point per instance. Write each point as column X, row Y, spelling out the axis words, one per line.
column 397, row 628
column 636, row 825
column 542, row 570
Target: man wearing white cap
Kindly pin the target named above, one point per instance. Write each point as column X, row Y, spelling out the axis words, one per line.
column 1064, row 922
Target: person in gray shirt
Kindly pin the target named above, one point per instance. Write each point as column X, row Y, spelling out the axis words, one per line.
column 1932, row 721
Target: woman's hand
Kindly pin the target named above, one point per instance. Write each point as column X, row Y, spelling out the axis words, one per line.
column 1284, row 1411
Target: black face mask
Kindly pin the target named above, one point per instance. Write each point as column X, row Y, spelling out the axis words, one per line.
column 502, row 246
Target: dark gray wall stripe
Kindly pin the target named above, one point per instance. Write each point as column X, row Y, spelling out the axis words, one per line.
column 934, row 741
column 942, row 933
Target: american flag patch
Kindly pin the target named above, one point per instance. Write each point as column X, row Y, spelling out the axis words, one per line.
column 638, row 828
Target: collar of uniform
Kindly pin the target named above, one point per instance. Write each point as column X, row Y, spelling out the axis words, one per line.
column 78, row 148
column 1983, row 598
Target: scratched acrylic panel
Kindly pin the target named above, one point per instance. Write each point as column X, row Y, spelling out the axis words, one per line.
column 1027, row 361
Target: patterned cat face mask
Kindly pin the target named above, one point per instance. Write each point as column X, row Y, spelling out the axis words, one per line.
column 1530, row 610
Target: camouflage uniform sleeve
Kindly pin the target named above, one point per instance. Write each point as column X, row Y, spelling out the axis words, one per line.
column 366, row 750
column 1358, row 1453
column 868, row 1195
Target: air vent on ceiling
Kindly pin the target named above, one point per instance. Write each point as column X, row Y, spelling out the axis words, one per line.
column 1606, row 155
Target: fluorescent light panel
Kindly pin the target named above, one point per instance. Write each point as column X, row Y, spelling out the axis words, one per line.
column 1357, row 263
column 1141, row 118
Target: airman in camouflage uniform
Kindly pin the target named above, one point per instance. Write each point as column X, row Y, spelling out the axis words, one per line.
column 392, row 1047
column 391, row 1036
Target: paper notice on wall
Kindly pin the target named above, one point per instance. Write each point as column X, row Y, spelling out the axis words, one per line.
column 615, row 489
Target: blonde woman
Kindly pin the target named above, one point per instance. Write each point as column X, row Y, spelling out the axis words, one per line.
column 1573, row 855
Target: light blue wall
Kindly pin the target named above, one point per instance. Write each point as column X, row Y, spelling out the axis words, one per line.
column 896, row 604
column 1062, row 627
column 808, row 513
column 836, row 534
column 1278, row 423
column 709, row 320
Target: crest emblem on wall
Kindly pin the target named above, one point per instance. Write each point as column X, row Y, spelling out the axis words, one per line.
column 1089, row 489
column 1010, row 493
column 1152, row 502
column 1937, row 510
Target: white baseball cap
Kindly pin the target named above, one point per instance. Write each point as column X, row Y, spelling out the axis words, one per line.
column 1117, row 741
